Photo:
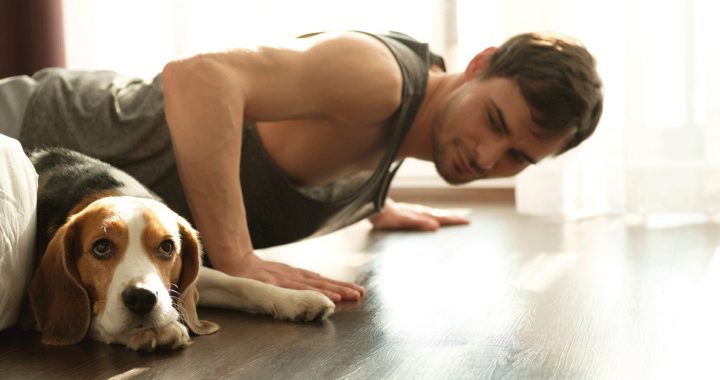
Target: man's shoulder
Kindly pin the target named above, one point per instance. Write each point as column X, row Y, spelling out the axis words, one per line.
column 357, row 75
column 351, row 42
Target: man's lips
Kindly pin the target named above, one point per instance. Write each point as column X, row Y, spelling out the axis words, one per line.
column 463, row 166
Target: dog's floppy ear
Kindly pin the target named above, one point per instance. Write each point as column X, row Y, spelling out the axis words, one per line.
column 60, row 304
column 188, row 298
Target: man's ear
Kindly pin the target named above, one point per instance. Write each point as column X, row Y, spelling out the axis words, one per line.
column 479, row 63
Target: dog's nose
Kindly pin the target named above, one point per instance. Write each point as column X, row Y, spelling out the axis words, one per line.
column 139, row 300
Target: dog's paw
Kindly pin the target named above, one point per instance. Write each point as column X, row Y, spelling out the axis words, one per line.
column 172, row 336
column 302, row 306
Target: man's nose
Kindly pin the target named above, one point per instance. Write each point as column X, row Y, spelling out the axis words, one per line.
column 488, row 154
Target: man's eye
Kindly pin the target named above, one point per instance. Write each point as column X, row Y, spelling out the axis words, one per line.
column 494, row 125
column 518, row 158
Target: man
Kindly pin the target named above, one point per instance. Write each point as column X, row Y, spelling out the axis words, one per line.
column 317, row 127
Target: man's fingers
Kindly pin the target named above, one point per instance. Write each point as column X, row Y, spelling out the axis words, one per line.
column 347, row 293
column 417, row 217
column 332, row 291
column 312, row 277
column 335, row 297
column 286, row 276
column 451, row 220
column 425, row 223
column 409, row 221
column 445, row 217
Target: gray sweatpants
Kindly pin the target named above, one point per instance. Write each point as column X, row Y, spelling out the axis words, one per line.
column 15, row 93
column 108, row 116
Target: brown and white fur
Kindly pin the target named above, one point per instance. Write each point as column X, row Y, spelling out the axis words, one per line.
column 118, row 266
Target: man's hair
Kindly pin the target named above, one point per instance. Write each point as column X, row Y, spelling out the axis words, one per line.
column 557, row 78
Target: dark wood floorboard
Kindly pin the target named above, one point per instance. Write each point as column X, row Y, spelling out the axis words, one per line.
column 508, row 297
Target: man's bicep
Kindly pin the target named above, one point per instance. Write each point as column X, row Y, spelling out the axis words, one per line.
column 262, row 83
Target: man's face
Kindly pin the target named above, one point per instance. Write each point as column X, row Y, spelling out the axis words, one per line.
column 486, row 131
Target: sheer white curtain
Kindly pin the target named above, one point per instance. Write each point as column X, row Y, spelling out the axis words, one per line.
column 656, row 148
column 138, row 37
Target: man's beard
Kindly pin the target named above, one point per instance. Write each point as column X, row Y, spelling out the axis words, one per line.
column 440, row 158
column 440, row 150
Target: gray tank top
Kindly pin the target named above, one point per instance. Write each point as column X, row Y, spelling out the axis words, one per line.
column 120, row 120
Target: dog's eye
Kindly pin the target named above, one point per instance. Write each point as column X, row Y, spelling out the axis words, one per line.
column 166, row 248
column 103, row 248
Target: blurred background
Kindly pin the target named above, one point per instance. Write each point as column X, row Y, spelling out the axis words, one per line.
column 655, row 150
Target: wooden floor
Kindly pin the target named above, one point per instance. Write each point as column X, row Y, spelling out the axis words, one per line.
column 508, row 297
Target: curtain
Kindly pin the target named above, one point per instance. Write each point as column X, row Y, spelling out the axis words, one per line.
column 31, row 36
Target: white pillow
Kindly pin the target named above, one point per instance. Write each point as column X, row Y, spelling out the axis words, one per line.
column 18, row 200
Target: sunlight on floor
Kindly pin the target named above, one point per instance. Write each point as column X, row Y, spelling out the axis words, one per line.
column 425, row 286
column 130, row 373
column 693, row 328
column 543, row 270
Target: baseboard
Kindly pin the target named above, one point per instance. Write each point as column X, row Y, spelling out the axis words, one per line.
column 459, row 194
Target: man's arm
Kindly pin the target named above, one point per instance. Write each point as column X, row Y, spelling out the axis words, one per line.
column 207, row 99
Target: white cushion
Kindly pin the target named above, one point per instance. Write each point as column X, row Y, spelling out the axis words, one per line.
column 18, row 199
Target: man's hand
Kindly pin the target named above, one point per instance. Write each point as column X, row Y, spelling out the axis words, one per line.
column 286, row 276
column 404, row 216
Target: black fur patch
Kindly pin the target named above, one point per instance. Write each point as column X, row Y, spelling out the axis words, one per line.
column 65, row 178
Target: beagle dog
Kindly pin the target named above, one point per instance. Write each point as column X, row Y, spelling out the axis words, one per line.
column 118, row 266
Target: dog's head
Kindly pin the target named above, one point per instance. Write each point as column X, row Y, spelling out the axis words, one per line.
column 120, row 264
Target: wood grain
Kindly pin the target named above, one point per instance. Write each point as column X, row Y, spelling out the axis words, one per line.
column 508, row 296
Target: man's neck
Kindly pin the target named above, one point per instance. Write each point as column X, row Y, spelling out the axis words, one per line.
column 418, row 142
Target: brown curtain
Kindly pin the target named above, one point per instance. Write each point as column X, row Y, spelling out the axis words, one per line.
column 31, row 36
